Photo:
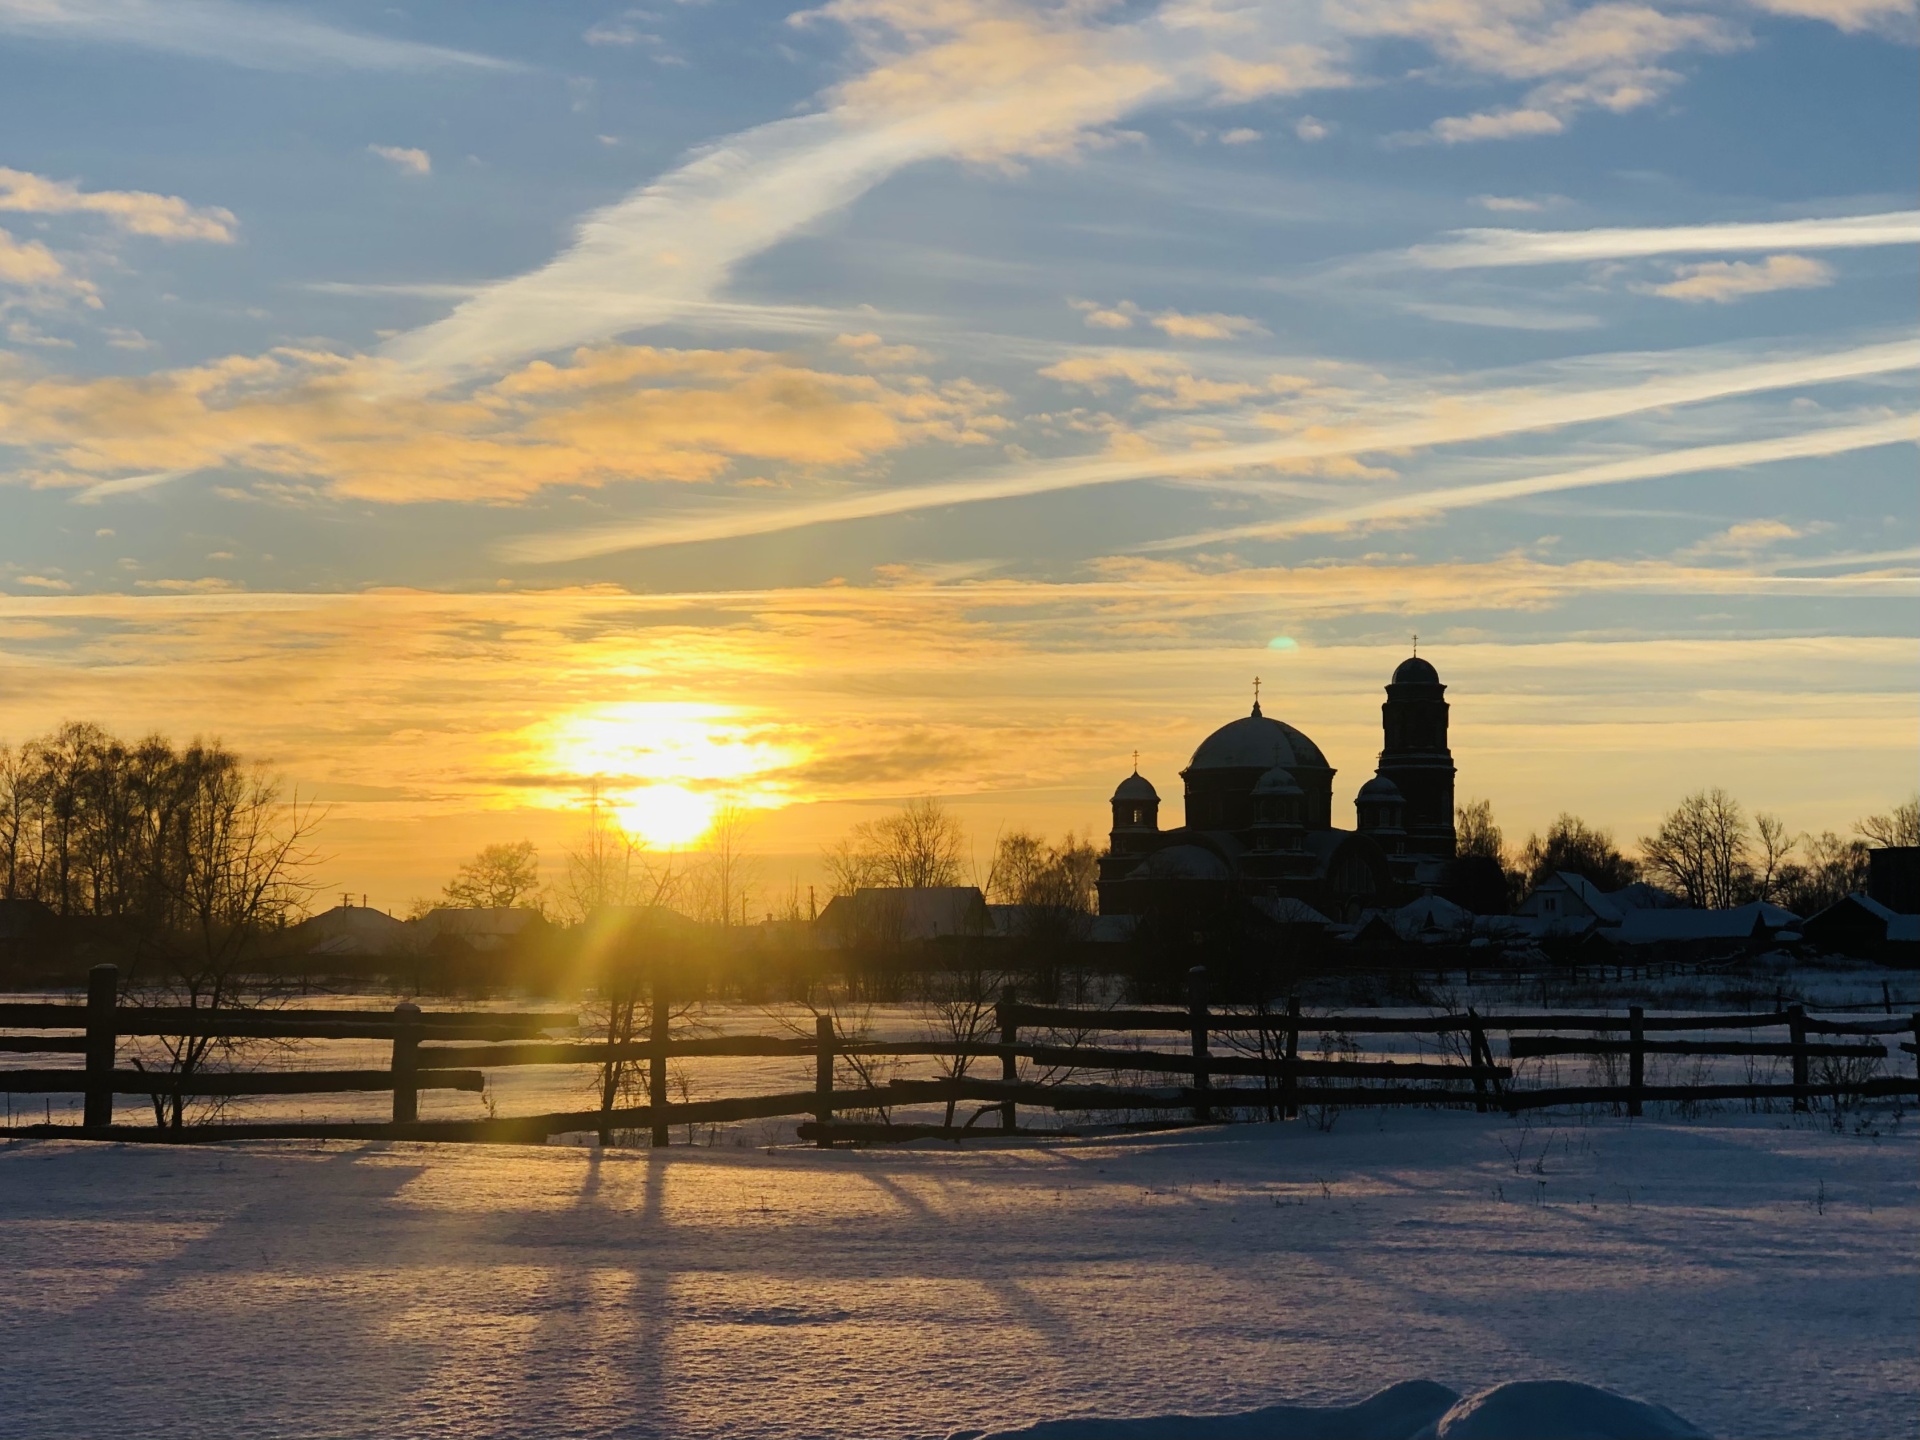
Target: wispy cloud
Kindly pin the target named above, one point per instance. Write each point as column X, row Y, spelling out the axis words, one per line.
column 1832, row 440
column 1450, row 421
column 981, row 83
column 1476, row 249
column 136, row 212
column 1723, row 281
column 610, row 414
column 258, row 36
column 406, row 160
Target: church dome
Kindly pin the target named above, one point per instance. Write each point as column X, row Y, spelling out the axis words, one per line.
column 1380, row 788
column 1415, row 671
column 1256, row 742
column 1135, row 787
column 1277, row 781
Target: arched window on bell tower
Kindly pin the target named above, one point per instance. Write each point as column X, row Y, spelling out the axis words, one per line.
column 1136, row 816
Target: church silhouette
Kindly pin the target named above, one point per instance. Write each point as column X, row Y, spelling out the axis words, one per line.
column 1259, row 817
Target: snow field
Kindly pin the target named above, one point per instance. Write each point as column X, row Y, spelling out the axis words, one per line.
column 1757, row 1274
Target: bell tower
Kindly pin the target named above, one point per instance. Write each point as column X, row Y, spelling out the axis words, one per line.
column 1415, row 757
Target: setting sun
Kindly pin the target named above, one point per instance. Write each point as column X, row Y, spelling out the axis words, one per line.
column 666, row 767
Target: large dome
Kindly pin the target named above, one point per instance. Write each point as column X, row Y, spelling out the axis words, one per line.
column 1415, row 671
column 1257, row 742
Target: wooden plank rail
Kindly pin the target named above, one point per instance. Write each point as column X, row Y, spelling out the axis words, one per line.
column 232, row 1082
column 449, row 1050
column 285, row 1024
column 1067, row 1018
column 1526, row 1047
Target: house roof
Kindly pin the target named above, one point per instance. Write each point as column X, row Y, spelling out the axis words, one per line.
column 1650, row 927
column 485, row 920
column 921, row 913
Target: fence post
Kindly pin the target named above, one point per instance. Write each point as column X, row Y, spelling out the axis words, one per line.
column 1009, row 1066
column 823, row 1076
column 657, row 1064
column 406, row 1063
column 1637, row 1057
column 1290, row 1077
column 1476, row 1045
column 1797, row 1033
column 103, row 990
column 1202, row 1061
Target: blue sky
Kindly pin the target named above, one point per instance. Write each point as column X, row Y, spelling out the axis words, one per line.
column 955, row 397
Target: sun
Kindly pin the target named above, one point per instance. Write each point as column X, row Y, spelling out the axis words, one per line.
column 667, row 817
column 666, row 767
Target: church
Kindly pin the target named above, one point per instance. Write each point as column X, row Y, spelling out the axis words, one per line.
column 1259, row 818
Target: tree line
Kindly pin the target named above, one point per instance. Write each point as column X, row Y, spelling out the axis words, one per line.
column 1708, row 851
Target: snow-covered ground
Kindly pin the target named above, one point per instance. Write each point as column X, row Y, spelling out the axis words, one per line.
column 1755, row 1273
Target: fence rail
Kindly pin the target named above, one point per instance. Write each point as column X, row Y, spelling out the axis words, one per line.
column 453, row 1050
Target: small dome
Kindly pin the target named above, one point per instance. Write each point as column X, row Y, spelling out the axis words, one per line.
column 1277, row 781
column 1415, row 671
column 1257, row 741
column 1135, row 787
column 1380, row 788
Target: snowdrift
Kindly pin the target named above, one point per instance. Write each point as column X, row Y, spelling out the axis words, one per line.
column 1411, row 1410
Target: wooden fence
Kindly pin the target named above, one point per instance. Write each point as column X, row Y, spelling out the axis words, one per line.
column 452, row 1051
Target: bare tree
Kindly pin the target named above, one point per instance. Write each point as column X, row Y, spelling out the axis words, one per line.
column 1703, row 847
column 1776, row 847
column 502, row 876
column 610, row 867
column 962, row 1011
column 1901, row 827
column 244, row 861
column 917, row 847
column 1052, row 888
column 191, row 861
column 725, row 869
column 1578, row 848
column 1835, row 866
column 1475, row 831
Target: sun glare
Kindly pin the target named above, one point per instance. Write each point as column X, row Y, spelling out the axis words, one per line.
column 667, row 817
column 666, row 767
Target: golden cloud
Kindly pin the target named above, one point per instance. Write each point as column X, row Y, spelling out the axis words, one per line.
column 137, row 212
column 606, row 414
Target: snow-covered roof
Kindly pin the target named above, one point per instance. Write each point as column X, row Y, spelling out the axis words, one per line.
column 1284, row 910
column 1651, row 927
column 1903, row 930
column 351, row 930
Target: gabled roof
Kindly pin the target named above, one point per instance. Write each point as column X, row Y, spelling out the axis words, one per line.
column 1592, row 896
column 1430, row 916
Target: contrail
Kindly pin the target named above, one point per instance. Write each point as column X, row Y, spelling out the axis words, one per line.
column 1476, row 249
column 1486, row 419
column 1834, row 440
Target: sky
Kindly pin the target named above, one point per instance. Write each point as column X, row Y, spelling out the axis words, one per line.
column 817, row 408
